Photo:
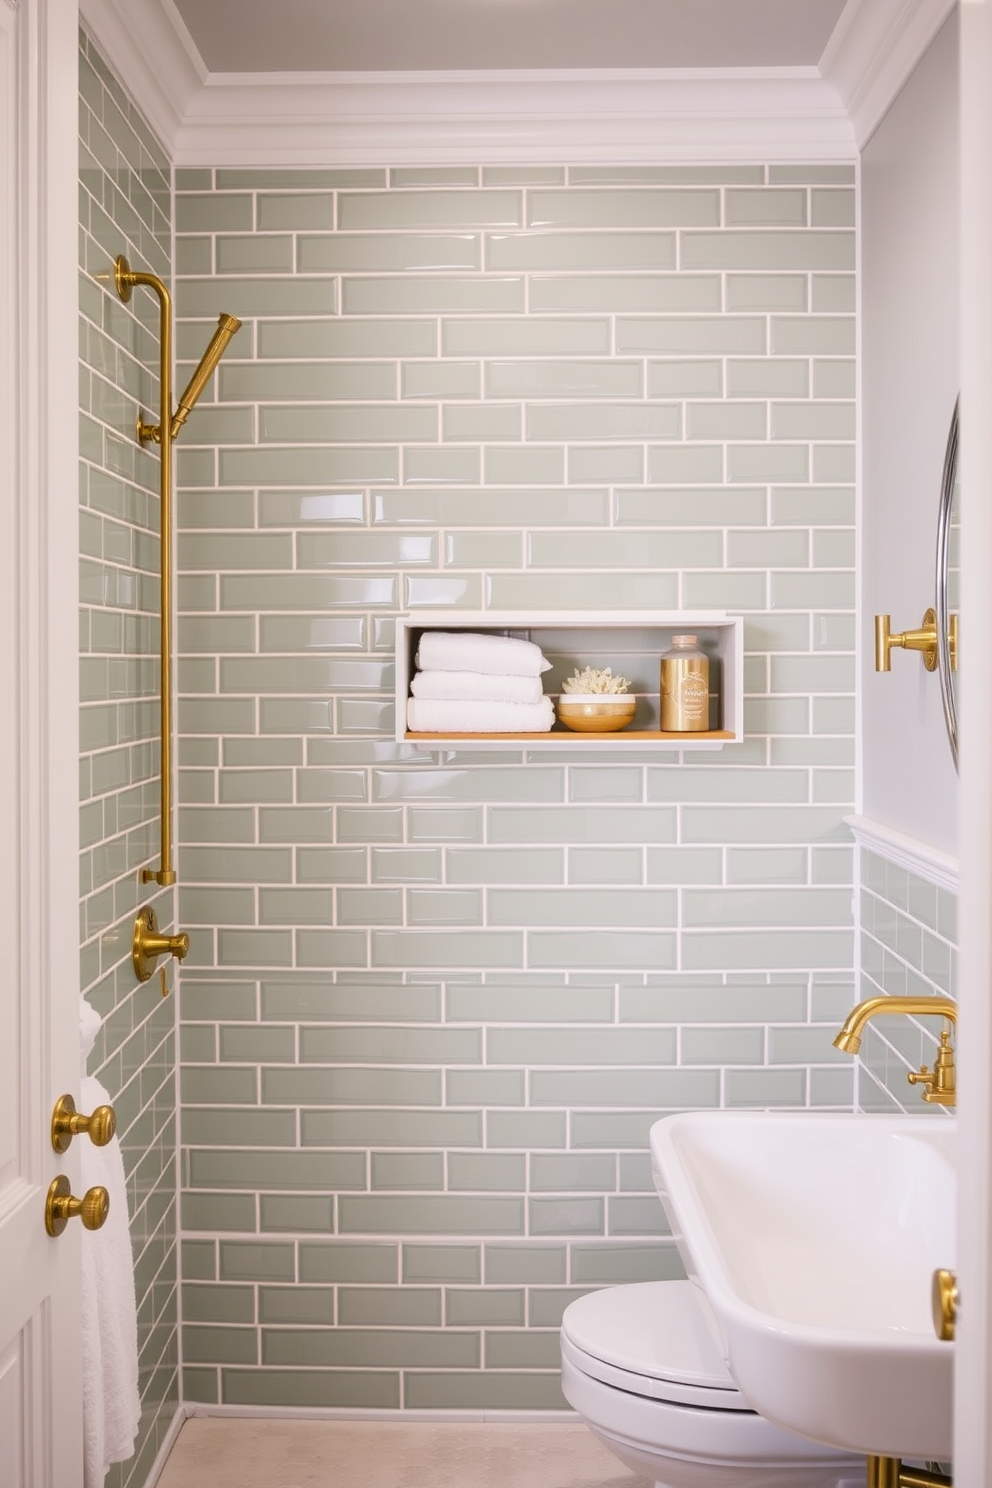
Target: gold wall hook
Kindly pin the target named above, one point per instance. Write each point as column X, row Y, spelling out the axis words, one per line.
column 60, row 1207
column 147, row 945
column 924, row 640
column 944, row 1301
column 67, row 1123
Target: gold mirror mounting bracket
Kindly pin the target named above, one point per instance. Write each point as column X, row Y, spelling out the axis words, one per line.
column 923, row 640
column 147, row 945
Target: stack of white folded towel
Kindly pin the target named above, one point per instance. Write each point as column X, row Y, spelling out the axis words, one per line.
column 478, row 684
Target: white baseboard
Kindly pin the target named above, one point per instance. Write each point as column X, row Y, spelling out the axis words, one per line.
column 175, row 1426
column 333, row 1413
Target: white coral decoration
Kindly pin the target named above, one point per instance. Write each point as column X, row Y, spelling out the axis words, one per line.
column 594, row 680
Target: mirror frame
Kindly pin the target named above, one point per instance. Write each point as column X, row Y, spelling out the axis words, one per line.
column 944, row 671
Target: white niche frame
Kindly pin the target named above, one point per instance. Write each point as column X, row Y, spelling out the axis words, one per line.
column 644, row 634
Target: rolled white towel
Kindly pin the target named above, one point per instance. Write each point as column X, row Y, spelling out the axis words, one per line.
column 111, row 1404
column 470, row 716
column 466, row 651
column 485, row 687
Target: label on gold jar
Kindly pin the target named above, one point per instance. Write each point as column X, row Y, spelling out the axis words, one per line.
column 685, row 694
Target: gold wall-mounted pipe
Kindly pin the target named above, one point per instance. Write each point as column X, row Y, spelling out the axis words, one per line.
column 125, row 278
column 163, row 433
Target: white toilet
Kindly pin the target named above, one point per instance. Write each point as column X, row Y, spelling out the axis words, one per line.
column 640, row 1365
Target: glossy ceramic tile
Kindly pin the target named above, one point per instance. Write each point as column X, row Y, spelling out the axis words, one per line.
column 458, row 991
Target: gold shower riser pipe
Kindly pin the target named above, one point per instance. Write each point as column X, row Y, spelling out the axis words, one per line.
column 125, row 278
column 163, row 433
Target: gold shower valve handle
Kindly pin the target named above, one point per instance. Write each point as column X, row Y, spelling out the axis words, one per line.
column 67, row 1123
column 60, row 1207
column 147, row 945
column 924, row 640
column 944, row 1302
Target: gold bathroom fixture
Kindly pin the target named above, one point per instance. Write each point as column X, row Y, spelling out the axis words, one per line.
column 940, row 1084
column 147, row 944
column 888, row 1472
column 227, row 325
column 924, row 640
column 163, row 433
column 944, row 1301
column 67, row 1123
column 60, row 1207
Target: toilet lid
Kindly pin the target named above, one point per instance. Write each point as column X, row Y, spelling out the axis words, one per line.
column 650, row 1338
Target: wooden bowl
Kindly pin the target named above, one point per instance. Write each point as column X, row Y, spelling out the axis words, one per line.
column 596, row 713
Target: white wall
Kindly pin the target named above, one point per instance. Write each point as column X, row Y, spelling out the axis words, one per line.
column 910, row 196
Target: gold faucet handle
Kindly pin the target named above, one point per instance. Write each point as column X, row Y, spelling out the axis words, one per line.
column 940, row 1084
column 147, row 944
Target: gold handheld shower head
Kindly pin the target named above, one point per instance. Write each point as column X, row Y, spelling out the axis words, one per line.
column 227, row 325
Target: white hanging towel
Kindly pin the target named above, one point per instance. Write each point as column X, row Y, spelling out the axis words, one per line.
column 483, row 687
column 465, row 651
column 111, row 1403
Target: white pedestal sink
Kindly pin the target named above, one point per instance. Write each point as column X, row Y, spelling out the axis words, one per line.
column 814, row 1238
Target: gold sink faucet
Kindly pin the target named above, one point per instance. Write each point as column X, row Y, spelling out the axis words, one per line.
column 940, row 1083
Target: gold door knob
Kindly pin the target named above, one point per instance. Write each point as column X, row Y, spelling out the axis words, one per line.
column 147, row 945
column 944, row 1300
column 67, row 1123
column 60, row 1206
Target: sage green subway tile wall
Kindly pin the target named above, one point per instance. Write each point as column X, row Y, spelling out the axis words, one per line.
column 908, row 947
column 432, row 1007
column 125, row 207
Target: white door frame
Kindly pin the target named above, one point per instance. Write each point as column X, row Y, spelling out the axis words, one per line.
column 973, row 1361
column 40, row 1386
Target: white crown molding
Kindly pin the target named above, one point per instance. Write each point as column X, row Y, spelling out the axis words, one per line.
column 151, row 52
column 408, row 118
column 932, row 863
column 747, row 114
column 872, row 52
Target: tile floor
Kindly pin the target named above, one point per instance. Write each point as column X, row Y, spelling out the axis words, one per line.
column 212, row 1452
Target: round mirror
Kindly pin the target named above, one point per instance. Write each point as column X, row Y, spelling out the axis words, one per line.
column 948, row 584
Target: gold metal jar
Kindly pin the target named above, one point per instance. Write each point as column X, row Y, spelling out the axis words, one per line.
column 685, row 687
